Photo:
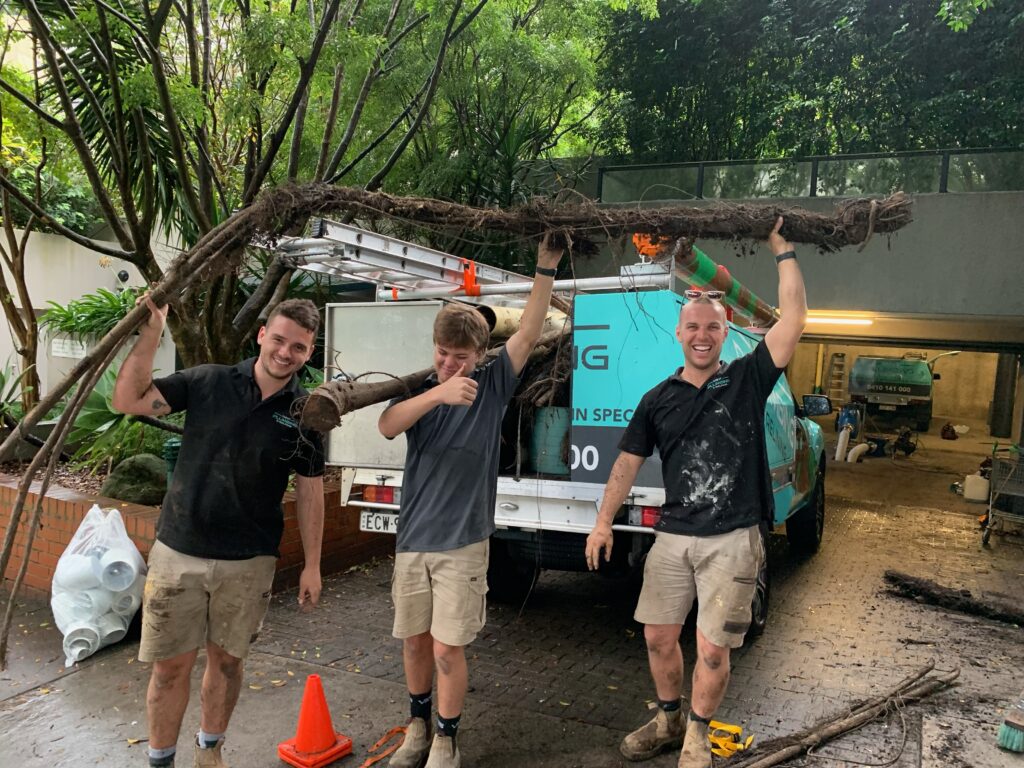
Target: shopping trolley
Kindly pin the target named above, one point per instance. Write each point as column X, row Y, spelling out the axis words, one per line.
column 1005, row 494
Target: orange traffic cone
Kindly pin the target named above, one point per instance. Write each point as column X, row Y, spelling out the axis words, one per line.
column 316, row 743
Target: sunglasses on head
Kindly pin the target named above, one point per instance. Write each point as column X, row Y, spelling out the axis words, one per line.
column 694, row 293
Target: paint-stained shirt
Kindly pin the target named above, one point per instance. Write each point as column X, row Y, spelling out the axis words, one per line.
column 236, row 455
column 450, row 483
column 712, row 446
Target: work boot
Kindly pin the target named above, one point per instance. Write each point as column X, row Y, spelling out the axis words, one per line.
column 415, row 746
column 664, row 732
column 444, row 753
column 209, row 757
column 696, row 747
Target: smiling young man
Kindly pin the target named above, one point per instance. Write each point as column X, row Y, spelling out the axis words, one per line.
column 707, row 422
column 212, row 565
column 453, row 428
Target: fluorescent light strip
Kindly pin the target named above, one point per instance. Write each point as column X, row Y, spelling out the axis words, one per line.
column 840, row 320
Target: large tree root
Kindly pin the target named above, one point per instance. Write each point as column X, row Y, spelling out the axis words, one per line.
column 911, row 689
column 960, row 600
column 853, row 222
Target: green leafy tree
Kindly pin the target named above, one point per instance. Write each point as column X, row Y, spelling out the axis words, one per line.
column 180, row 113
column 725, row 79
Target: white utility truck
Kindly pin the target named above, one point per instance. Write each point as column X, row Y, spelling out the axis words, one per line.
column 554, row 460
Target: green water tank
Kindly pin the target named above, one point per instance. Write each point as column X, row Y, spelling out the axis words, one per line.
column 548, row 445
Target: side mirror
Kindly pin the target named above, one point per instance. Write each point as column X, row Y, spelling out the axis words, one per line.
column 817, row 405
column 936, row 376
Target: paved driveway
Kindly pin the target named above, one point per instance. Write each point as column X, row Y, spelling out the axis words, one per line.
column 558, row 680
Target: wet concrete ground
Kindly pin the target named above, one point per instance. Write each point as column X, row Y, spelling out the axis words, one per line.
column 558, row 680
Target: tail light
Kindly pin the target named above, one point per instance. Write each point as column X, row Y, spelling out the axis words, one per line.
column 379, row 494
column 646, row 516
column 650, row 516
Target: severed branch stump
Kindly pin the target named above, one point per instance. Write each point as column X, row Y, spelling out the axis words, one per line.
column 327, row 404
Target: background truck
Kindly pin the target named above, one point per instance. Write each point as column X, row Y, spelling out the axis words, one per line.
column 896, row 387
column 555, row 459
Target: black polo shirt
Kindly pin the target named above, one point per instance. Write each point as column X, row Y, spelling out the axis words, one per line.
column 236, row 455
column 712, row 446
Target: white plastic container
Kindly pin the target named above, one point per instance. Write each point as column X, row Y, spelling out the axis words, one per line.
column 90, row 604
column 976, row 488
column 81, row 640
column 126, row 603
column 116, row 569
column 112, row 628
column 76, row 572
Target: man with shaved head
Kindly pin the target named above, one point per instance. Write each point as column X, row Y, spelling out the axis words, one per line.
column 707, row 422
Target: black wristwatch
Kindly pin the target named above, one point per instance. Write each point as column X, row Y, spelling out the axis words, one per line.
column 783, row 256
column 546, row 271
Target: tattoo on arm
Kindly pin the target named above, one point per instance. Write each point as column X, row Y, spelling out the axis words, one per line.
column 158, row 404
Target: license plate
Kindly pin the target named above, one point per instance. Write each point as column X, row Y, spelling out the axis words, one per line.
column 887, row 407
column 378, row 522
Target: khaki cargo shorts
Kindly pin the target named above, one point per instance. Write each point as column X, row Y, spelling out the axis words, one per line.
column 443, row 593
column 192, row 601
column 719, row 571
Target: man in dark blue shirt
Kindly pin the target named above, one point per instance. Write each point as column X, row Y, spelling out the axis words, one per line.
column 707, row 422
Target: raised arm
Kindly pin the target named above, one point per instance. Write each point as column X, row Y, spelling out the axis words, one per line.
column 782, row 337
column 134, row 392
column 620, row 482
column 522, row 342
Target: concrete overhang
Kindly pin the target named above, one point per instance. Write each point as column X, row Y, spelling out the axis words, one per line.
column 981, row 333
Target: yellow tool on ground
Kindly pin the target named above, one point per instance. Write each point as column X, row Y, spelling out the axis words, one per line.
column 727, row 739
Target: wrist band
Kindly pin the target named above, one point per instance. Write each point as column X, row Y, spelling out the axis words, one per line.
column 783, row 256
column 546, row 271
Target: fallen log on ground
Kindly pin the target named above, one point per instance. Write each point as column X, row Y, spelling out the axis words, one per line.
column 960, row 600
column 912, row 688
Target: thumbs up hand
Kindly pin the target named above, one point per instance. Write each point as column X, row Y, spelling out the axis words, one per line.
column 459, row 389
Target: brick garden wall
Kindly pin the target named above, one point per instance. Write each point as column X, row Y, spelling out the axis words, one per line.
column 63, row 510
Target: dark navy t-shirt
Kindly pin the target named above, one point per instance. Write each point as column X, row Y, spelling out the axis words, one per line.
column 450, row 483
column 236, row 455
column 712, row 446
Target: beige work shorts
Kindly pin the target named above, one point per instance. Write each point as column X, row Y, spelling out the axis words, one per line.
column 719, row 571
column 443, row 593
column 192, row 601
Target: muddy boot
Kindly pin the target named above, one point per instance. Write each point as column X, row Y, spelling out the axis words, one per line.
column 664, row 732
column 696, row 748
column 415, row 746
column 444, row 753
column 209, row 757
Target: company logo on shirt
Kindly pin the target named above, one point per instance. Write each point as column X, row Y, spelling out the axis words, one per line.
column 286, row 421
column 721, row 381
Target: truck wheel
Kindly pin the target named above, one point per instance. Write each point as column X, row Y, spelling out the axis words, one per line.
column 509, row 580
column 762, row 590
column 805, row 528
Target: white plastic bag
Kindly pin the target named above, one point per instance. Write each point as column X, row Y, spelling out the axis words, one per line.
column 97, row 585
